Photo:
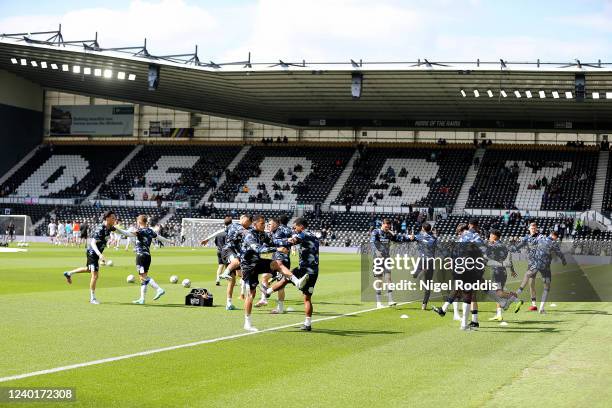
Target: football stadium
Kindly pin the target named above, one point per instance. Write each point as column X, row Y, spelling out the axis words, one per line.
column 182, row 232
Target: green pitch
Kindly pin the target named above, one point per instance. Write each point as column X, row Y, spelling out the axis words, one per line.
column 371, row 359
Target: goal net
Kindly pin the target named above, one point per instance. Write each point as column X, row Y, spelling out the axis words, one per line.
column 15, row 228
column 194, row 230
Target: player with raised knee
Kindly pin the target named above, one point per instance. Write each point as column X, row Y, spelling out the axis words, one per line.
column 547, row 248
column 280, row 260
column 95, row 248
column 534, row 261
column 499, row 258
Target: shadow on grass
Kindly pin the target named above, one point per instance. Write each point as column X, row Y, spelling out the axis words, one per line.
column 351, row 333
column 534, row 330
column 586, row 312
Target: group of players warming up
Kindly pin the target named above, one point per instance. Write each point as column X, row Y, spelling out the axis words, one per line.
column 469, row 243
column 248, row 250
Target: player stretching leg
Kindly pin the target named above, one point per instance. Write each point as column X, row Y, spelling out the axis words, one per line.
column 281, row 261
column 255, row 243
column 534, row 261
column 95, row 247
column 454, row 295
column 499, row 257
column 230, row 254
column 549, row 247
column 144, row 236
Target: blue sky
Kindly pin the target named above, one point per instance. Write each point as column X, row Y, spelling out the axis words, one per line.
column 334, row 30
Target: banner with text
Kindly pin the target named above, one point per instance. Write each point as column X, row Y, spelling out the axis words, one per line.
column 92, row 120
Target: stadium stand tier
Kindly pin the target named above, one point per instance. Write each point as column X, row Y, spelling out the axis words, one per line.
column 406, row 176
column 284, row 174
column 171, row 172
column 64, row 171
column 526, row 178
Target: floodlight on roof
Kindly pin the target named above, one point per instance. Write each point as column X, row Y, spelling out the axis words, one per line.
column 595, row 95
column 490, row 93
column 555, row 94
column 542, row 94
column 517, row 94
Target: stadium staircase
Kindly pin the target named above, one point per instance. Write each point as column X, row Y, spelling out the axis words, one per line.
column 335, row 191
column 113, row 173
column 600, row 181
column 18, row 165
column 470, row 177
column 231, row 168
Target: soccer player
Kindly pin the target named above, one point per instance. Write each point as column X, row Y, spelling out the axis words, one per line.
column 95, row 247
column 231, row 256
column 548, row 247
column 255, row 244
column 534, row 261
column 280, row 234
column 144, row 236
column 220, row 241
column 76, row 232
column 500, row 257
column 380, row 244
column 475, row 249
column 308, row 265
column 52, row 231
column 460, row 249
column 131, row 240
column 427, row 250
column 61, row 232
column 68, row 228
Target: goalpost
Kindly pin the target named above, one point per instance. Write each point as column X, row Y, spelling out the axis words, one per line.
column 22, row 225
column 194, row 230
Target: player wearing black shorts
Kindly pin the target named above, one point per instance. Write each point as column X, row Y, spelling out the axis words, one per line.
column 95, row 247
column 255, row 244
column 280, row 234
column 144, row 237
column 220, row 241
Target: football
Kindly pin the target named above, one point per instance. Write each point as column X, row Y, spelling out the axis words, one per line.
column 109, row 263
column 174, row 279
column 186, row 283
column 130, row 279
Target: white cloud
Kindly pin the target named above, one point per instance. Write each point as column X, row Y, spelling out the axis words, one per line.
column 319, row 30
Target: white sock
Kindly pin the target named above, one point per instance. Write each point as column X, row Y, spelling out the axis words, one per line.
column 281, row 305
column 294, row 280
column 229, row 301
column 92, row 294
column 153, row 284
column 242, row 287
column 247, row 320
column 263, row 296
column 456, row 309
column 307, row 321
column 499, row 312
column 390, row 296
column 533, row 303
column 466, row 313
column 378, row 297
column 143, row 290
column 445, row 306
column 542, row 305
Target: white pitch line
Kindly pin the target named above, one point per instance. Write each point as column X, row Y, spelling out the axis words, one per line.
column 179, row 346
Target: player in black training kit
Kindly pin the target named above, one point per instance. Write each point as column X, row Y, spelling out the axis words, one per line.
column 95, row 247
column 220, row 241
column 144, row 236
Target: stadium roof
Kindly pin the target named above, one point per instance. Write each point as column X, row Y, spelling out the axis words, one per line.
column 419, row 94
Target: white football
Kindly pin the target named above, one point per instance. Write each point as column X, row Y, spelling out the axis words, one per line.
column 174, row 279
column 130, row 279
column 186, row 283
column 109, row 263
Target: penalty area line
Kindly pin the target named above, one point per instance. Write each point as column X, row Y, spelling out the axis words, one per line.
column 178, row 346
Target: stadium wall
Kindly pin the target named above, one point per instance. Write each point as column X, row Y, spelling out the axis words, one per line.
column 21, row 116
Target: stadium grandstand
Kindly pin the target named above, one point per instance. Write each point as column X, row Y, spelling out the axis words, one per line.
column 88, row 127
